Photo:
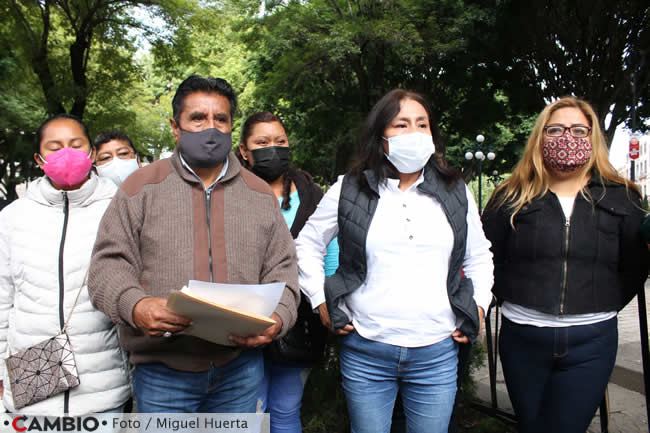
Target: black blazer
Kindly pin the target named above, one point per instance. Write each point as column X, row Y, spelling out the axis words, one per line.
column 595, row 264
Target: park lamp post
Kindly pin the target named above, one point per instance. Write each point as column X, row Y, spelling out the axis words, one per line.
column 476, row 152
column 480, row 156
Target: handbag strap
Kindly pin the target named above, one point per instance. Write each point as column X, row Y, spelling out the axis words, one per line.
column 67, row 320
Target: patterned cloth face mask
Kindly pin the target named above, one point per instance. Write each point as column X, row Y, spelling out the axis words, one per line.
column 566, row 153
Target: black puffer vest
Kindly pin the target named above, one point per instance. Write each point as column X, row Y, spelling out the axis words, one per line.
column 357, row 207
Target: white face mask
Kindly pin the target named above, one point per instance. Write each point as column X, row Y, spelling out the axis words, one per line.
column 118, row 169
column 410, row 152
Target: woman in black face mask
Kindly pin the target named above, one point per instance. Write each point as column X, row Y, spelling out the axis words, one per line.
column 264, row 149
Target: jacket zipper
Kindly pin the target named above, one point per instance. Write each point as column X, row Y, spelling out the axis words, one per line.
column 565, row 264
column 66, row 397
column 207, row 214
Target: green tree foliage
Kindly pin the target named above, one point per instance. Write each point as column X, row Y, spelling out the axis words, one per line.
column 208, row 44
column 322, row 65
column 486, row 66
column 75, row 56
column 78, row 48
column 142, row 110
column 21, row 110
column 594, row 49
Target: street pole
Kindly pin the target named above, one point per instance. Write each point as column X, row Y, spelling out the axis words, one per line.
column 480, row 190
column 643, row 317
column 492, row 349
column 480, row 156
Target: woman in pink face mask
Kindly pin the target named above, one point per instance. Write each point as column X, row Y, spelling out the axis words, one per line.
column 567, row 257
column 64, row 152
column 46, row 241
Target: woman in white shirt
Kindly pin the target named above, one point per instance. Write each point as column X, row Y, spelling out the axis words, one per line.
column 406, row 225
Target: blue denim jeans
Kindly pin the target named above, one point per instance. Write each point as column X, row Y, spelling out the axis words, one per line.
column 231, row 388
column 556, row 377
column 373, row 372
column 281, row 395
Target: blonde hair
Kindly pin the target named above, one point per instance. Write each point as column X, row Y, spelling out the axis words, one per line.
column 530, row 178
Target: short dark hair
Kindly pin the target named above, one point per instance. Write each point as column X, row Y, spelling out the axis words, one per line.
column 254, row 119
column 371, row 150
column 197, row 83
column 39, row 132
column 112, row 134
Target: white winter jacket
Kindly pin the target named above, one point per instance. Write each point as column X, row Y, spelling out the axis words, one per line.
column 35, row 298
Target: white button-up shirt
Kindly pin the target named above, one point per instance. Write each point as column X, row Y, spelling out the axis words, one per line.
column 403, row 300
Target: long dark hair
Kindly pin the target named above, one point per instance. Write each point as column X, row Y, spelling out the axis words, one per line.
column 371, row 150
column 246, row 131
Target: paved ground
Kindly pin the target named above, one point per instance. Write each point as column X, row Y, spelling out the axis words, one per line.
column 626, row 394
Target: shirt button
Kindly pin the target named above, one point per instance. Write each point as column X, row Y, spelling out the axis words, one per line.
column 411, row 237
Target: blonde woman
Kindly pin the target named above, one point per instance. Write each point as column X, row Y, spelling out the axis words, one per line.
column 568, row 256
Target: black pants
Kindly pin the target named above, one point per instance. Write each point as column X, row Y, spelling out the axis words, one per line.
column 556, row 377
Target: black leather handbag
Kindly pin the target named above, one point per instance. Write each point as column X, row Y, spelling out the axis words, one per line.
column 305, row 343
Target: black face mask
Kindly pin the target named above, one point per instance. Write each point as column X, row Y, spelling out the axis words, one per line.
column 270, row 162
column 205, row 149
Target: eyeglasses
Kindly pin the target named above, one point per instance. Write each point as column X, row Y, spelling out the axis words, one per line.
column 578, row 131
column 105, row 158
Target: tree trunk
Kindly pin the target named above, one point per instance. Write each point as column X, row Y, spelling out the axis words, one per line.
column 40, row 63
column 11, row 192
column 42, row 69
column 362, row 77
column 78, row 66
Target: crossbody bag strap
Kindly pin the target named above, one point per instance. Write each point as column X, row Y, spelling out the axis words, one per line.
column 67, row 320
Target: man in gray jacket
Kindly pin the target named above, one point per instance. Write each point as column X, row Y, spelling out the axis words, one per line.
column 197, row 215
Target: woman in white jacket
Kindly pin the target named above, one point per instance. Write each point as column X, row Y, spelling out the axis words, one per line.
column 46, row 240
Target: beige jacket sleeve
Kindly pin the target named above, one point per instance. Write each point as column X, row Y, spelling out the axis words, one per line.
column 280, row 264
column 115, row 268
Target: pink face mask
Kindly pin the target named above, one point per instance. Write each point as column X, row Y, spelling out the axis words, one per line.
column 67, row 167
column 566, row 153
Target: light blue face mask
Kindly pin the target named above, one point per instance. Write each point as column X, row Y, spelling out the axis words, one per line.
column 409, row 153
column 118, row 169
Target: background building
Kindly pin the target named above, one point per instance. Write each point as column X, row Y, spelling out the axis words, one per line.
column 641, row 167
